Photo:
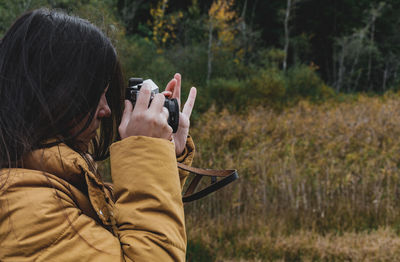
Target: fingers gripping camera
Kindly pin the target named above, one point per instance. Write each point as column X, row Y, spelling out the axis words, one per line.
column 172, row 105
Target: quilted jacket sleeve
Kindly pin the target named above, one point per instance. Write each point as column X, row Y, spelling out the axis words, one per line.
column 186, row 158
column 148, row 207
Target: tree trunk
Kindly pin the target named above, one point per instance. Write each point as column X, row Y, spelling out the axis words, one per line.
column 341, row 69
column 372, row 39
column 245, row 33
column 210, row 54
column 353, row 85
column 385, row 77
column 286, row 24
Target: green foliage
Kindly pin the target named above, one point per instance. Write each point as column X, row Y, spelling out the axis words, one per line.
column 191, row 62
column 198, row 252
column 267, row 88
column 10, row 10
column 226, row 93
column 233, row 83
column 140, row 59
column 98, row 12
column 270, row 58
column 303, row 82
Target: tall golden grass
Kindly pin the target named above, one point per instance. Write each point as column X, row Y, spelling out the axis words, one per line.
column 313, row 180
column 263, row 245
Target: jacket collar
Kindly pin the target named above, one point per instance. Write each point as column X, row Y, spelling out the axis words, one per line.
column 59, row 160
column 75, row 168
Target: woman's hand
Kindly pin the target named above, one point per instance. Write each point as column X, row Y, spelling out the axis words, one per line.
column 174, row 90
column 144, row 120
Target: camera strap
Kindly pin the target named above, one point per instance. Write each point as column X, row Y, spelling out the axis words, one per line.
column 219, row 179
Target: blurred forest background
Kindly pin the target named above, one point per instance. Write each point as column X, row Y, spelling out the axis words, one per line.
column 301, row 96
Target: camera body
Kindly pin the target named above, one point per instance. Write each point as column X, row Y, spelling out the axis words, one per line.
column 172, row 105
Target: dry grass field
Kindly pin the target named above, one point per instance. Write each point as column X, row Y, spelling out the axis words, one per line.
column 317, row 183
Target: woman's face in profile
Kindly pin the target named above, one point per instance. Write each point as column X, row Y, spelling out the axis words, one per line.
column 84, row 138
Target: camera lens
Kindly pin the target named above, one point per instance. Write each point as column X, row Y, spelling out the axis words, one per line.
column 173, row 109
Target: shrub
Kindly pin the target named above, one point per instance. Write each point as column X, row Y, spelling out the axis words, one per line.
column 304, row 82
column 191, row 62
column 266, row 88
column 141, row 59
column 226, row 92
column 198, row 252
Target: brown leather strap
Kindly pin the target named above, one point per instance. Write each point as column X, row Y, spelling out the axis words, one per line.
column 193, row 185
column 226, row 177
column 206, row 172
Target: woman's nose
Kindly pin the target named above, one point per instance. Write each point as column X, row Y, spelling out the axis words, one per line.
column 104, row 109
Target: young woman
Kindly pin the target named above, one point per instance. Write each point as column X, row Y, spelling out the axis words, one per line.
column 60, row 81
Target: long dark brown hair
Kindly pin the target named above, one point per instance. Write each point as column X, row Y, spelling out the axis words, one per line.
column 53, row 70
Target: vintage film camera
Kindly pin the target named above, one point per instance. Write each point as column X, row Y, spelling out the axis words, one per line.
column 219, row 178
column 172, row 105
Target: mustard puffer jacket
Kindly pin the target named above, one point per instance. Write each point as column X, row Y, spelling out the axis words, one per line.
column 57, row 208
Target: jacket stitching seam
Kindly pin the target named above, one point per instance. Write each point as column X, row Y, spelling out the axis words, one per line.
column 56, row 240
column 168, row 242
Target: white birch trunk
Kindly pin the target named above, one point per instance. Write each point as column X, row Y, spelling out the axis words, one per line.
column 286, row 24
column 210, row 54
